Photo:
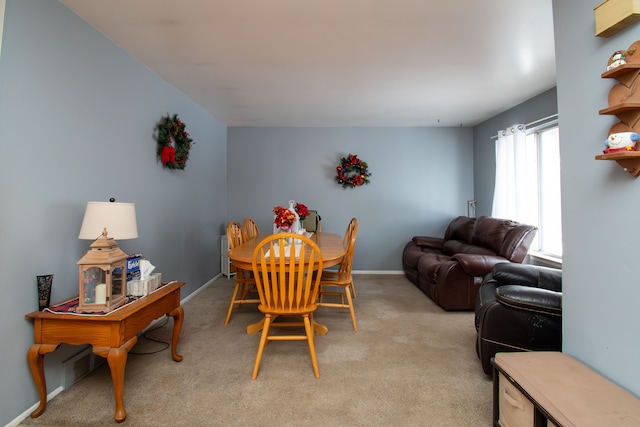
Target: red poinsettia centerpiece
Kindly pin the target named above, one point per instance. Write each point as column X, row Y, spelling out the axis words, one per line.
column 302, row 211
column 284, row 217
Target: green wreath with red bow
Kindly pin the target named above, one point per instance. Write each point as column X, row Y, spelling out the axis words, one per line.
column 352, row 172
column 174, row 142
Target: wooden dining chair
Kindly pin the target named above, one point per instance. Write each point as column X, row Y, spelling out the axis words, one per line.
column 245, row 283
column 283, row 267
column 250, row 229
column 345, row 242
column 336, row 287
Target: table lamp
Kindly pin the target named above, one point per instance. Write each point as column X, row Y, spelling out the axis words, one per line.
column 103, row 269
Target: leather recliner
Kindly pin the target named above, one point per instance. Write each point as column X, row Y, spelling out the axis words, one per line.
column 518, row 308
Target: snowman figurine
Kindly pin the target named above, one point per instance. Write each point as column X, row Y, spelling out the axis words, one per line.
column 621, row 141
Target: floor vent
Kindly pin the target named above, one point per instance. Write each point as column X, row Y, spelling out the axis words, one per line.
column 78, row 366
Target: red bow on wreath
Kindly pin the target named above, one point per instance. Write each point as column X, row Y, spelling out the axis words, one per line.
column 168, row 155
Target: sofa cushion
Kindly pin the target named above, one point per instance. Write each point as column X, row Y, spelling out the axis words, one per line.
column 411, row 256
column 452, row 247
column 461, row 228
column 517, row 241
column 429, row 264
column 477, row 265
column 490, row 232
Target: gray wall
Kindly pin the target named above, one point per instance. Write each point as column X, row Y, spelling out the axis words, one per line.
column 421, row 178
column 76, row 121
column 601, row 270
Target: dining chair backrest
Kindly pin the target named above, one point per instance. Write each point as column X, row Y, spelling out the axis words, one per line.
column 347, row 261
column 234, row 234
column 250, row 228
column 283, row 266
column 349, row 232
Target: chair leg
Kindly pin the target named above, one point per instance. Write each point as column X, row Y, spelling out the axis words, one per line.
column 263, row 340
column 312, row 347
column 350, row 303
column 232, row 303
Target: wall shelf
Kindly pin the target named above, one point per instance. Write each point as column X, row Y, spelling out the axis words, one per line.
column 629, row 160
column 624, row 103
column 621, row 108
column 620, row 71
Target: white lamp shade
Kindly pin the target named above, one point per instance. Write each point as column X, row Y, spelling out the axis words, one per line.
column 119, row 219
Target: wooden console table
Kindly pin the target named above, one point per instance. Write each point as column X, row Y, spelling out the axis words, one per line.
column 111, row 336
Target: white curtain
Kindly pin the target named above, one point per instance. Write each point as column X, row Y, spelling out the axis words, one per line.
column 516, row 189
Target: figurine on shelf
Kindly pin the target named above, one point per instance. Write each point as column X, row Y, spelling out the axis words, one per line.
column 621, row 141
column 618, row 58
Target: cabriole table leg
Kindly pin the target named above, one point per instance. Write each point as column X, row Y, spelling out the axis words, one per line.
column 178, row 317
column 117, row 360
column 35, row 357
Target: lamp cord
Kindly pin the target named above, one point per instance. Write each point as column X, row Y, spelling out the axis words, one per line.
column 146, row 336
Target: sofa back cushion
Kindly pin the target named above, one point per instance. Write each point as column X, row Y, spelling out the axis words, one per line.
column 490, row 232
column 452, row 247
column 507, row 238
column 517, row 242
column 461, row 228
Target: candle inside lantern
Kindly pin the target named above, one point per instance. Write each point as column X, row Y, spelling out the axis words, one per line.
column 101, row 293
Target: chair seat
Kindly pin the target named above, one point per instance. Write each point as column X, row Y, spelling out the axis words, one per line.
column 338, row 278
column 308, row 309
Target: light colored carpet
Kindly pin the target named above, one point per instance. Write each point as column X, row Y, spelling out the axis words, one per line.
column 409, row 364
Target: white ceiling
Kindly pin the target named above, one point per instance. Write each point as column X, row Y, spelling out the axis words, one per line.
column 339, row 62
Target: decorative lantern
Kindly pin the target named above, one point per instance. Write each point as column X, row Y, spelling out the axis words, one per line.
column 103, row 277
column 103, row 269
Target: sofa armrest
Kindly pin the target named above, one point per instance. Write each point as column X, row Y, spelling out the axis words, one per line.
column 478, row 265
column 429, row 242
column 531, row 299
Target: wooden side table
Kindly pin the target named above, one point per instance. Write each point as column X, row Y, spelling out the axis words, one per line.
column 111, row 336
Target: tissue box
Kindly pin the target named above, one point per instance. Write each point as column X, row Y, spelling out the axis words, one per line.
column 133, row 266
column 141, row 288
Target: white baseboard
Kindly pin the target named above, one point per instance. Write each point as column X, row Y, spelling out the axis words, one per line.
column 182, row 301
column 28, row 412
column 192, row 294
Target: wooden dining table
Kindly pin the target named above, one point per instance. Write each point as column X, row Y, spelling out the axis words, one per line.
column 331, row 247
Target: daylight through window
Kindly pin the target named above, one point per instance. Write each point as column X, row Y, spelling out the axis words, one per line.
column 528, row 183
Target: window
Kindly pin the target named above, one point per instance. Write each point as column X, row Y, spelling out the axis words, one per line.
column 528, row 183
column 548, row 239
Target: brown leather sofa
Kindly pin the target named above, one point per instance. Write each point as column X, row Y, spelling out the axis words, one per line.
column 450, row 269
column 518, row 308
